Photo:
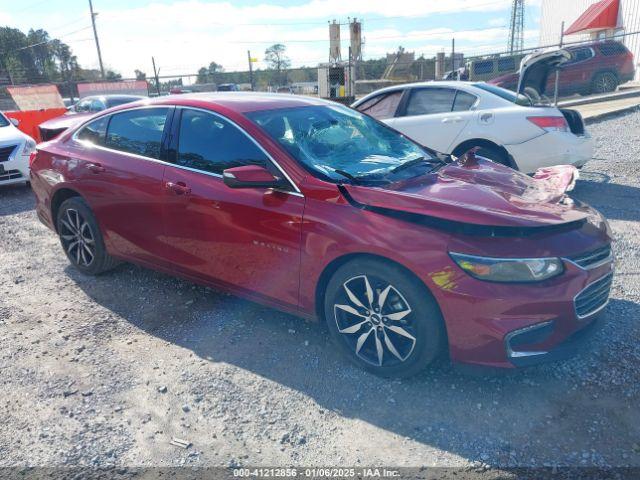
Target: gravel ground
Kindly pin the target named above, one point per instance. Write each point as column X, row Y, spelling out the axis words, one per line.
column 106, row 371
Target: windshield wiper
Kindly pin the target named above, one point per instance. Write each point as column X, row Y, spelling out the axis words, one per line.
column 416, row 161
column 347, row 175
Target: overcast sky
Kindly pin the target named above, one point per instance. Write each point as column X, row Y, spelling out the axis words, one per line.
column 184, row 35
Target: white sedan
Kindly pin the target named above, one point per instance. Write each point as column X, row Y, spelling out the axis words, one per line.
column 454, row 117
column 15, row 149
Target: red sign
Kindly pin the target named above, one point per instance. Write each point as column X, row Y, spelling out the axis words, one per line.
column 131, row 87
column 40, row 97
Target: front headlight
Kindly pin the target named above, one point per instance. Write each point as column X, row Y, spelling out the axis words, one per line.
column 29, row 147
column 509, row 269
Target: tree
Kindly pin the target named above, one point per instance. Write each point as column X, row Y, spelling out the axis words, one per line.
column 276, row 58
column 140, row 75
column 210, row 74
column 112, row 76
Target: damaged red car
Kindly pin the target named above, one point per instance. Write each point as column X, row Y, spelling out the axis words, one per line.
column 324, row 212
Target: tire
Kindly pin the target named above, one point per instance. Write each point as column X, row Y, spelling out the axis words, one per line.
column 493, row 153
column 604, row 82
column 409, row 321
column 81, row 239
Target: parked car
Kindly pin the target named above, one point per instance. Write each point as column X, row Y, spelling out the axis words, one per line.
column 508, row 128
column 316, row 209
column 228, row 87
column 83, row 109
column 15, row 149
column 597, row 67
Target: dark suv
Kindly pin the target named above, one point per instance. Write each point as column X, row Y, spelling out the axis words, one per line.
column 596, row 67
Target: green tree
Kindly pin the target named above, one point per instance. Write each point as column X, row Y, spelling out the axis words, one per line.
column 277, row 59
column 140, row 75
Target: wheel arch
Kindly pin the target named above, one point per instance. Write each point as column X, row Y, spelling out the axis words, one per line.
column 466, row 145
column 337, row 262
column 57, row 199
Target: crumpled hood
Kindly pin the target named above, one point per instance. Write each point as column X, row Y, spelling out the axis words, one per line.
column 482, row 193
column 65, row 121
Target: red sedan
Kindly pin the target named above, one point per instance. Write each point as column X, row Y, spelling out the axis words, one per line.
column 319, row 210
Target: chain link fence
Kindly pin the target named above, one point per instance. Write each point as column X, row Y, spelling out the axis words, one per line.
column 595, row 66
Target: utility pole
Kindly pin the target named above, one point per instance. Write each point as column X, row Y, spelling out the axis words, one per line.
column 155, row 75
column 95, row 35
column 557, row 82
column 453, row 56
column 250, row 69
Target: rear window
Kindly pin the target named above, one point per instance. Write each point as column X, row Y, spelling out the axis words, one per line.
column 507, row 64
column 3, row 121
column 114, row 102
column 483, row 67
column 504, row 93
column 612, row 48
column 137, row 131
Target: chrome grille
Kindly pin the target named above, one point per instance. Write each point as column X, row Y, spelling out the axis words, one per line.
column 5, row 152
column 594, row 297
column 594, row 258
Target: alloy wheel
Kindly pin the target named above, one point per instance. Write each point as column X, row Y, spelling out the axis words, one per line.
column 77, row 237
column 375, row 320
column 605, row 83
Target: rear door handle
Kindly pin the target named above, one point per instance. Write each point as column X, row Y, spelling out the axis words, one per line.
column 179, row 188
column 95, row 167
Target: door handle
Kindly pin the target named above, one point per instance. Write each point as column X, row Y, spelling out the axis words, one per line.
column 95, row 167
column 452, row 120
column 179, row 188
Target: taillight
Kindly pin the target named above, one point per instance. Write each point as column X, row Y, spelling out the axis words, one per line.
column 32, row 157
column 550, row 124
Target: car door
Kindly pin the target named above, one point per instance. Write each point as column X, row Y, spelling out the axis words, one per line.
column 248, row 239
column 430, row 116
column 115, row 161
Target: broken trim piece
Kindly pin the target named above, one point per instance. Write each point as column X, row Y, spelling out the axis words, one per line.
column 453, row 226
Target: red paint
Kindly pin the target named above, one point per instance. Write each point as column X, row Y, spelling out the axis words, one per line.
column 599, row 16
column 29, row 120
column 273, row 246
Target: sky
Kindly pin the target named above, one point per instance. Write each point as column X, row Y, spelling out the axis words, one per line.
column 184, row 35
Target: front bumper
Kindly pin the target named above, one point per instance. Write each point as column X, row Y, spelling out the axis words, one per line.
column 513, row 325
column 15, row 169
column 552, row 148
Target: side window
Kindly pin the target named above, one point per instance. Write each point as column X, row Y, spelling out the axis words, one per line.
column 425, row 101
column 95, row 131
column 382, row 106
column 83, row 106
column 211, row 144
column 579, row 55
column 97, row 105
column 137, row 131
column 483, row 67
column 464, row 101
column 507, row 64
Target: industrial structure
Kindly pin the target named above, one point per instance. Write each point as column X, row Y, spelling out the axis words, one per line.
column 516, row 29
column 337, row 78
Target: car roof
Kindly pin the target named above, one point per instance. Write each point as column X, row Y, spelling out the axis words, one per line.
column 461, row 85
column 241, row 102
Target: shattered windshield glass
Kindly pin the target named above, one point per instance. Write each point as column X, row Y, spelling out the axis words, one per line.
column 337, row 142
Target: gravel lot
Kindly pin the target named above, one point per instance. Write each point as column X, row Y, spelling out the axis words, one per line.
column 103, row 371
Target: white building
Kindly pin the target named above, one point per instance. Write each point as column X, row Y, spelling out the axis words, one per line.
column 591, row 20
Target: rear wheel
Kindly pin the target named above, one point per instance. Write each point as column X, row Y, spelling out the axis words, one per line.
column 493, row 153
column 604, row 83
column 81, row 238
column 382, row 318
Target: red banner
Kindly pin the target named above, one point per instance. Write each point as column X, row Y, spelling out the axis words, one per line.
column 130, row 87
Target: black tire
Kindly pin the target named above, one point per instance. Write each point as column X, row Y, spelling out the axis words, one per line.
column 604, row 82
column 81, row 238
column 493, row 153
column 360, row 344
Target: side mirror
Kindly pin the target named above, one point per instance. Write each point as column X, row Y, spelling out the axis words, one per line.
column 15, row 122
column 252, row 176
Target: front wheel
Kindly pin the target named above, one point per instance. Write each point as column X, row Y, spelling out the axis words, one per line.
column 382, row 318
column 81, row 238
